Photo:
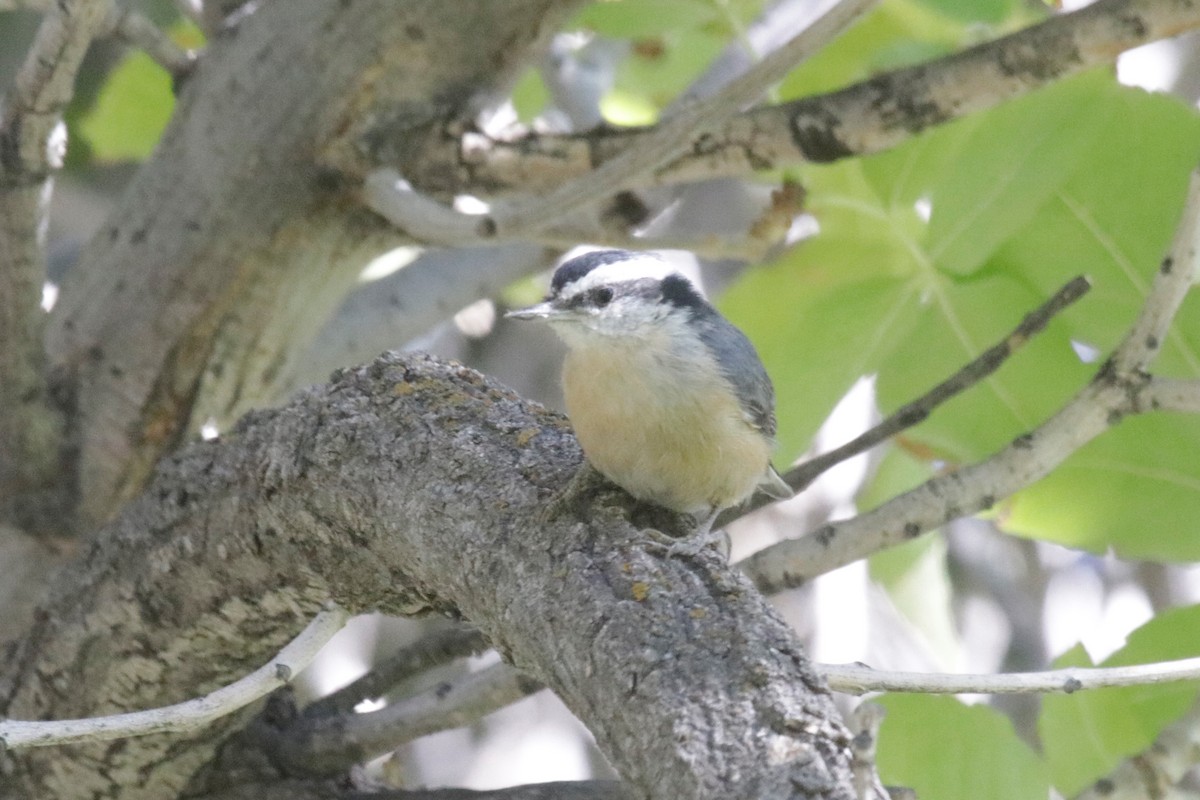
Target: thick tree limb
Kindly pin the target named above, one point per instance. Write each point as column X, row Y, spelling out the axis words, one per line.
column 1120, row 387
column 864, row 118
column 404, row 485
column 237, row 236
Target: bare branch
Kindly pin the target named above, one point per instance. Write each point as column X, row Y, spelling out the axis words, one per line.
column 864, row 118
column 32, row 145
column 328, row 746
column 132, row 26
column 393, row 197
column 190, row 715
column 1120, row 387
column 434, row 649
column 860, row 679
column 1173, row 394
column 139, row 31
column 865, row 721
column 802, row 475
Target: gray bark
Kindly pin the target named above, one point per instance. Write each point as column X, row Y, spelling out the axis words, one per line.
column 410, row 485
column 240, row 237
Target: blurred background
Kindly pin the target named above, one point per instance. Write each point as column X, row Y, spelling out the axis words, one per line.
column 893, row 271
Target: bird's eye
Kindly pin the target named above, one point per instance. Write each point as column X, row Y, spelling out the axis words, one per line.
column 602, row 296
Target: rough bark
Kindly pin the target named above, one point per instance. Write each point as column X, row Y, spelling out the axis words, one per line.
column 404, row 485
column 239, row 238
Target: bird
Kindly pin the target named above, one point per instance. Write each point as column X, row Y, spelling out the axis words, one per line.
column 668, row 399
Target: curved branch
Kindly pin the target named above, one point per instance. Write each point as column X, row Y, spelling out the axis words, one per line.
column 192, row 714
column 410, row 484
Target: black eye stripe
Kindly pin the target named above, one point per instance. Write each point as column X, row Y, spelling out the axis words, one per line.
column 602, row 296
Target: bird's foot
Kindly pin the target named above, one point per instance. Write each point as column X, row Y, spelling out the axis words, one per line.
column 690, row 545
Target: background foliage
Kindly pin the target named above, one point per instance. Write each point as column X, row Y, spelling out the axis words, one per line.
column 925, row 256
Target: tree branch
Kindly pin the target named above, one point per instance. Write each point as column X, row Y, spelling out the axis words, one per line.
column 386, row 192
column 801, row 476
column 1173, row 394
column 867, row 117
column 432, row 650
column 32, row 145
column 190, row 715
column 243, row 220
column 329, row 746
column 860, row 679
column 136, row 29
column 1120, row 387
column 404, row 485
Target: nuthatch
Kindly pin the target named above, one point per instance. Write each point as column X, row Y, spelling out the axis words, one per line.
column 668, row 399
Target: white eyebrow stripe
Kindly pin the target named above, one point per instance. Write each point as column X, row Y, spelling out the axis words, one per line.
column 620, row 272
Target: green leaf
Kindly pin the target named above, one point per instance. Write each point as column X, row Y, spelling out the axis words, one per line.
column 882, row 290
column 631, row 19
column 131, row 112
column 659, row 69
column 1135, row 490
column 949, row 751
column 529, row 96
column 806, row 313
column 1086, row 734
column 894, row 34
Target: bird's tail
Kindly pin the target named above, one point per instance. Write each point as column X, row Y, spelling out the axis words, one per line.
column 773, row 484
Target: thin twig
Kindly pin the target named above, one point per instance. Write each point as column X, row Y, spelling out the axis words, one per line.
column 434, row 649
column 860, row 679
column 137, row 29
column 390, row 195
column 189, row 715
column 1120, row 387
column 801, row 476
column 864, row 723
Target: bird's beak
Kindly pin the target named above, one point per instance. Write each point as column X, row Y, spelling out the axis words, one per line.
column 544, row 310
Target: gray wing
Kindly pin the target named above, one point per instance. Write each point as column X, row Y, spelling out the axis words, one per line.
column 742, row 367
